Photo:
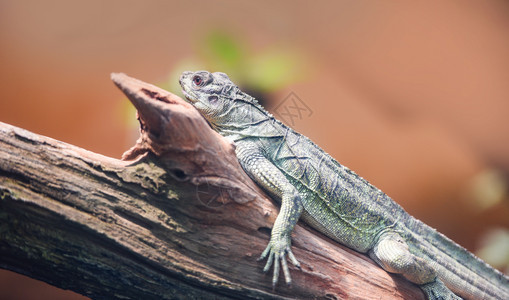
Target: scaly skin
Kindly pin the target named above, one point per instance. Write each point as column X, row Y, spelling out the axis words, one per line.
column 334, row 200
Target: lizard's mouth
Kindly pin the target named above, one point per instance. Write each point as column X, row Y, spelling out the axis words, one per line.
column 188, row 97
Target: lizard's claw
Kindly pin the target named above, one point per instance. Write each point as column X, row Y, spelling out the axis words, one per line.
column 276, row 252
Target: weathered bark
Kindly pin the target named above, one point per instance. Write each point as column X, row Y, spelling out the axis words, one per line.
column 179, row 220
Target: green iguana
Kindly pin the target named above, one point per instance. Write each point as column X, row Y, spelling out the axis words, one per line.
column 334, row 200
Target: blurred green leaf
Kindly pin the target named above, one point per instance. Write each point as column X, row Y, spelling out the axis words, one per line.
column 273, row 69
column 223, row 50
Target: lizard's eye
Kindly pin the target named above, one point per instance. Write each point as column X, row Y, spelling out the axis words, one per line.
column 198, row 80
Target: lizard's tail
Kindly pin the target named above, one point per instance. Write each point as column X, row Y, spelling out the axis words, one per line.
column 464, row 273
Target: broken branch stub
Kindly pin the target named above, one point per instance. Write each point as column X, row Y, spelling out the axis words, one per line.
column 186, row 146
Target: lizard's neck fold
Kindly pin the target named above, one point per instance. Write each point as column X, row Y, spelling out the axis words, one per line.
column 245, row 119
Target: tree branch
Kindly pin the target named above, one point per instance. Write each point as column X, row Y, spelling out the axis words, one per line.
column 178, row 219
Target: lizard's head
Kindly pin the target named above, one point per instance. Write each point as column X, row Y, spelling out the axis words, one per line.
column 212, row 94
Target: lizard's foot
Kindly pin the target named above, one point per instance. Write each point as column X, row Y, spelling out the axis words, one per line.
column 276, row 250
column 436, row 290
column 392, row 253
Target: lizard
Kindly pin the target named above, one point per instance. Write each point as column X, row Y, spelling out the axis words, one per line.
column 310, row 184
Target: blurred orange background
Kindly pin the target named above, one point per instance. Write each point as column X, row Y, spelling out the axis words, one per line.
column 411, row 95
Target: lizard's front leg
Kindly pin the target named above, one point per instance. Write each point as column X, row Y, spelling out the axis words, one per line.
column 266, row 174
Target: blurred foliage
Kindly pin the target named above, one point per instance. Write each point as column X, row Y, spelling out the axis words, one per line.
column 258, row 72
column 222, row 50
